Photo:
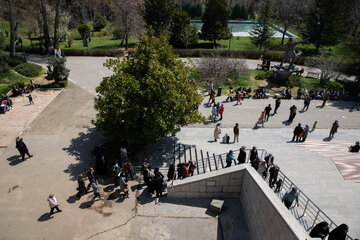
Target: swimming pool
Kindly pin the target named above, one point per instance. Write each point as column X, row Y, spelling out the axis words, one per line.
column 243, row 28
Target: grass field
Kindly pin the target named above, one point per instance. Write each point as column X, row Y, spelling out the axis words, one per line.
column 11, row 79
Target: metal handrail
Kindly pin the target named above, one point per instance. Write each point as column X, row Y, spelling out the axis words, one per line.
column 307, row 206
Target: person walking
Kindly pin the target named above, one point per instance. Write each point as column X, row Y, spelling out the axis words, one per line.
column 158, row 182
column 221, row 111
column 236, row 132
column 217, row 132
column 292, row 113
column 306, row 103
column 305, row 133
column 90, row 176
column 242, row 155
column 96, row 189
column 128, row 170
column 214, row 113
column 334, row 129
column 267, row 112
column 274, row 171
column 325, row 98
column 21, row 146
column 277, row 105
column 53, row 204
column 297, row 131
column 229, row 158
column 290, row 196
column 81, row 186
column 320, row 230
column 30, row 100
column 314, row 126
column 261, row 119
column 254, row 158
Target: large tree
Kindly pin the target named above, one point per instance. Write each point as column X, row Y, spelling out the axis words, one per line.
column 56, row 24
column 158, row 14
column 215, row 21
column 182, row 34
column 12, row 13
column 127, row 17
column 326, row 23
column 44, row 15
column 289, row 13
column 263, row 31
column 148, row 96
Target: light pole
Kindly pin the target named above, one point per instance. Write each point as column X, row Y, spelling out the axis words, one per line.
column 230, row 36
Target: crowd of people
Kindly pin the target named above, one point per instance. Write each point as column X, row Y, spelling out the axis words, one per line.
column 20, row 89
column 153, row 180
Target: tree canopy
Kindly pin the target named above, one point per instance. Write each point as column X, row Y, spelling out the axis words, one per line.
column 148, row 96
column 263, row 31
column 326, row 23
column 182, row 34
column 215, row 21
column 158, row 14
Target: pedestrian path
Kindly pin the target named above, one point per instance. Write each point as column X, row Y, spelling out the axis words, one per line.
column 347, row 163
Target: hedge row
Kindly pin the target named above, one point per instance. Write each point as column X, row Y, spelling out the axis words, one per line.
column 192, row 53
column 28, row 69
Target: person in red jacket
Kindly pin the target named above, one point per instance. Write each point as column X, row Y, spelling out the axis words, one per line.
column 221, row 111
column 185, row 171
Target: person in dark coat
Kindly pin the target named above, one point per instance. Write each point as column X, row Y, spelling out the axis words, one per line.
column 267, row 112
column 274, row 171
column 242, row 155
column 297, row 131
column 20, row 145
column 339, row 233
column 355, row 148
column 334, row 129
column 321, row 230
column 277, row 105
column 98, row 153
column 171, row 172
column 254, row 158
column 292, row 113
column 306, row 103
column 158, row 183
column 145, row 170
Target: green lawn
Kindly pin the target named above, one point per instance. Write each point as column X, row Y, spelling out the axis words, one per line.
column 11, row 79
column 105, row 40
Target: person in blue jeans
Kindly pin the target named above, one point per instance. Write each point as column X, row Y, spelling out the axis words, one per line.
column 229, row 158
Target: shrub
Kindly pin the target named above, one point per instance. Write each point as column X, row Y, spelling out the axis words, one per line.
column 294, row 81
column 28, row 69
column 57, row 69
column 4, row 67
column 99, row 23
column 118, row 34
column 83, row 28
column 15, row 60
column 60, row 84
column 101, row 34
column 334, row 85
column 264, row 75
column 70, row 42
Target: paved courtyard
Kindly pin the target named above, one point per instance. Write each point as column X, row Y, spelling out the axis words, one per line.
column 62, row 136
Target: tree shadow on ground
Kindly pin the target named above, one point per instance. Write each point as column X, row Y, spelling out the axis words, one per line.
column 44, row 217
column 159, row 154
column 80, row 147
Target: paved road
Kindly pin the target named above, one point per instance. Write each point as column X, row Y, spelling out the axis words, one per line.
column 314, row 172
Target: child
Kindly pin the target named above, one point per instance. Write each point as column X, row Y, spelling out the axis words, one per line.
column 278, row 185
column 30, row 99
column 314, row 126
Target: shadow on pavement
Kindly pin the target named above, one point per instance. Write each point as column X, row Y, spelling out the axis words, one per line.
column 44, row 217
column 80, row 147
column 327, row 139
column 14, row 160
column 72, row 199
column 85, row 205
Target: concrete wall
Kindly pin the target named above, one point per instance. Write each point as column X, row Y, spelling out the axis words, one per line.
column 223, row 183
column 265, row 215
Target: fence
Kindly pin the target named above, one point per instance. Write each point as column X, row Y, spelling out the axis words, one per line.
column 308, row 213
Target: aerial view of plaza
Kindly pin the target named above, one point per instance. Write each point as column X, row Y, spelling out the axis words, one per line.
column 180, row 119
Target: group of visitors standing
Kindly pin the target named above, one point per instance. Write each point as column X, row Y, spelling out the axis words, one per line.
column 154, row 181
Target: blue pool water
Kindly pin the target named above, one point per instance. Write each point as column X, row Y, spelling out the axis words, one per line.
column 242, row 28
